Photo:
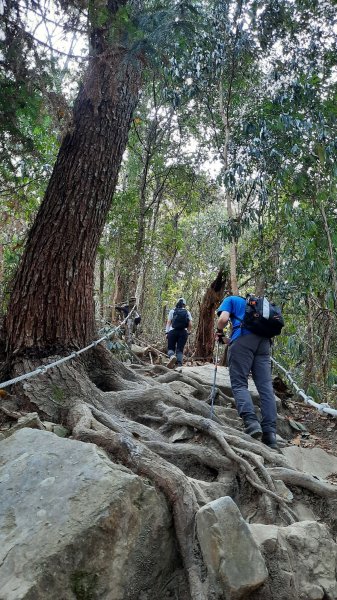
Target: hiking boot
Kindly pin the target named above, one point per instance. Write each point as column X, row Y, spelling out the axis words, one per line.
column 171, row 363
column 269, row 438
column 253, row 428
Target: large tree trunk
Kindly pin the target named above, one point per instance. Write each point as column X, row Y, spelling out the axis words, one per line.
column 51, row 306
column 204, row 342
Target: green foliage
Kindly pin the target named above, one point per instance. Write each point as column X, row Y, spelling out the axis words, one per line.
column 99, row 14
column 249, row 86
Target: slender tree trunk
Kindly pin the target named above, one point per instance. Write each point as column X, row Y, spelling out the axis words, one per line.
column 116, row 287
column 149, row 248
column 260, row 284
column 325, row 355
column 331, row 251
column 204, row 342
column 309, row 370
column 233, row 267
column 143, row 209
column 229, row 206
column 51, row 306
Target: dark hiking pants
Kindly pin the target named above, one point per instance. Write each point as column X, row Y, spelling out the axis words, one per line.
column 176, row 340
column 251, row 353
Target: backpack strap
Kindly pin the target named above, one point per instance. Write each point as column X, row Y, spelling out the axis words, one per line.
column 235, row 327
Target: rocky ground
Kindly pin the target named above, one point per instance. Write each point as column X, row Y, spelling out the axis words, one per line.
column 319, row 430
column 275, row 510
column 310, row 427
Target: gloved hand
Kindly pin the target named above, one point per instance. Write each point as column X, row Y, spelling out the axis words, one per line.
column 219, row 336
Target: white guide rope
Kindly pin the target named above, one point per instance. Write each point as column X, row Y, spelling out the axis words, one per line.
column 45, row 368
column 323, row 407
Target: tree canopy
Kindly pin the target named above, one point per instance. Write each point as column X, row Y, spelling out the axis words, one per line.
column 230, row 158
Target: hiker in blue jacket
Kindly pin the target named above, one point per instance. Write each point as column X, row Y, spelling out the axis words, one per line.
column 178, row 327
column 247, row 353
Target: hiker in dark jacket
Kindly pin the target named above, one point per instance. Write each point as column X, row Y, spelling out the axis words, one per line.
column 178, row 327
column 247, row 353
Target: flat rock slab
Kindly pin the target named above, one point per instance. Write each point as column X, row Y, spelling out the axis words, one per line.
column 314, row 461
column 205, row 373
column 234, row 562
column 75, row 525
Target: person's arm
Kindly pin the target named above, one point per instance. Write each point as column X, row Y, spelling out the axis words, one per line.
column 169, row 321
column 222, row 322
column 189, row 326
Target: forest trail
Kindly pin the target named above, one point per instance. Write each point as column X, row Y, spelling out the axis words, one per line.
column 308, row 427
column 321, row 429
column 156, row 423
column 145, row 147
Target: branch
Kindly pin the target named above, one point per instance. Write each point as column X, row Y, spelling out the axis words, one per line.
column 40, row 42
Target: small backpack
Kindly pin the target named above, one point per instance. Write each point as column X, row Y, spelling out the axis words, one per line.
column 180, row 318
column 262, row 317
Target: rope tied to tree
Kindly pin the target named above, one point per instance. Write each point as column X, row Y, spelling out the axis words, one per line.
column 44, row 368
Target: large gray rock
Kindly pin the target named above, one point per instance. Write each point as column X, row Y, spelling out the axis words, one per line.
column 74, row 525
column 205, row 375
column 301, row 560
column 314, row 461
column 235, row 564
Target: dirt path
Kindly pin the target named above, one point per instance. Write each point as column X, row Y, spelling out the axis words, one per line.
column 322, row 429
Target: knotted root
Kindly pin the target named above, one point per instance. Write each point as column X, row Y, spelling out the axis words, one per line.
column 180, row 417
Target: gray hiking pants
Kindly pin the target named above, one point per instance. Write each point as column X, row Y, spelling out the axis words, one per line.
column 251, row 353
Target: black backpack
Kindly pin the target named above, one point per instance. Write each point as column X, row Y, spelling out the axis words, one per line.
column 180, row 318
column 262, row 317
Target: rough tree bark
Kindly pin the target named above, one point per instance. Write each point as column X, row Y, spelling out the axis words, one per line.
column 51, row 306
column 204, row 341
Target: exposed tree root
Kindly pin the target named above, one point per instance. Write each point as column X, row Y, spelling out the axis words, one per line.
column 182, row 418
column 303, row 480
column 206, row 456
column 133, row 417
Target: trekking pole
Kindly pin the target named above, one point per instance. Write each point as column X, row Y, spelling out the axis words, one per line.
column 214, row 379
